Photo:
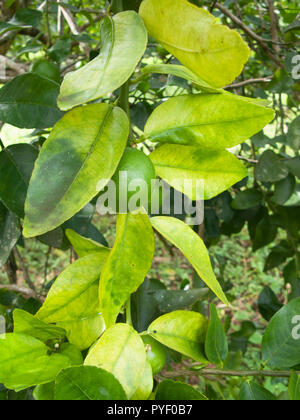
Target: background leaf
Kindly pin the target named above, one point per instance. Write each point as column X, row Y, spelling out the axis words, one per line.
column 280, row 348
column 216, row 344
column 87, row 383
column 251, row 391
column 9, row 233
column 18, row 108
column 16, row 166
column 170, row 390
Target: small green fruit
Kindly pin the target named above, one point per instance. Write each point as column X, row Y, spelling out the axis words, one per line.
column 156, row 354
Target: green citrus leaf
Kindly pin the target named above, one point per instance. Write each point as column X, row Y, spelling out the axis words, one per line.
column 25, row 323
column 251, row 391
column 87, row 383
column 16, row 166
column 214, row 171
column 73, row 303
column 123, row 43
column 212, row 51
column 210, row 121
column 271, row 167
column 44, row 392
column 9, row 233
column 127, row 265
column 171, row 391
column 77, row 160
column 293, row 136
column 216, row 344
column 121, row 352
column 182, row 331
column 83, row 246
column 281, row 342
column 247, row 199
column 24, row 362
column 145, row 388
column 294, row 387
column 29, row 101
column 192, row 247
column 182, row 72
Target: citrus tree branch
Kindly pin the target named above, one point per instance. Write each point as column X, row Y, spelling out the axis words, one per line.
column 231, row 373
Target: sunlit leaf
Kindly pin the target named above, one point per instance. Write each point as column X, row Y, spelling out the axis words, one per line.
column 213, row 51
column 123, row 42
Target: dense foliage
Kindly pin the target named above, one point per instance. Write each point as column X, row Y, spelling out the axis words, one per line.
column 167, row 90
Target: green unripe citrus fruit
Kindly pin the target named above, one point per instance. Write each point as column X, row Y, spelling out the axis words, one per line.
column 156, row 354
column 134, row 165
column 47, row 69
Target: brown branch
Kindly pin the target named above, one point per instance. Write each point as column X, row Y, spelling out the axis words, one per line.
column 18, row 289
column 249, row 82
column 231, row 373
column 274, row 27
column 10, row 268
column 25, row 271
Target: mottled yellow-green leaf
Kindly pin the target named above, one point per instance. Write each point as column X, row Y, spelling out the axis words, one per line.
column 145, row 387
column 127, row 265
column 25, row 362
column 76, row 161
column 183, row 73
column 182, row 331
column 84, row 246
column 192, row 247
column 214, row 52
column 209, row 121
column 121, row 352
column 73, row 303
column 184, row 166
column 123, row 43
column 25, row 323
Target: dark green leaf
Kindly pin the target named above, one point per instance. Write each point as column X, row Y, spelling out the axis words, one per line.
column 29, row 101
column 246, row 199
column 87, row 383
column 251, row 391
column 281, row 342
column 171, row 390
column 293, row 136
column 173, row 300
column 268, row 303
column 284, row 189
column 271, row 168
column 9, row 233
column 16, row 166
column 216, row 344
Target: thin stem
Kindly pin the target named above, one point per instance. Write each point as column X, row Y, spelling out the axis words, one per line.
column 128, row 312
column 25, row 271
column 124, row 98
column 48, row 23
